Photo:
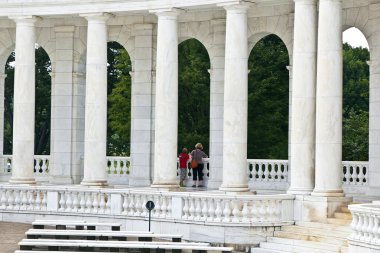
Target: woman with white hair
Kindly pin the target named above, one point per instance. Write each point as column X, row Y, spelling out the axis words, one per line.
column 197, row 156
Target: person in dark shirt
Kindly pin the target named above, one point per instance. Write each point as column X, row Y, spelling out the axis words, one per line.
column 197, row 154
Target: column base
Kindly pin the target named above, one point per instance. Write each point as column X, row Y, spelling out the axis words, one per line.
column 328, row 193
column 317, row 208
column 98, row 183
column 22, row 180
column 300, row 191
column 234, row 188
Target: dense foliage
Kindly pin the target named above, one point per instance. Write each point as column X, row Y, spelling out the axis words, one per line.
column 119, row 100
column 268, row 100
column 193, row 95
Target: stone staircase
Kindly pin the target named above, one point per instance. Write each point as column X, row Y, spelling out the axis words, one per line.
column 311, row 237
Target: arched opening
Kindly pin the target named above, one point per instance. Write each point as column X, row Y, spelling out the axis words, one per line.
column 118, row 100
column 193, row 95
column 42, row 103
column 268, row 99
column 355, row 96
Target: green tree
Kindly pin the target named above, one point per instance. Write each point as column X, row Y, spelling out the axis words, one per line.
column 119, row 100
column 268, row 100
column 193, row 95
column 355, row 103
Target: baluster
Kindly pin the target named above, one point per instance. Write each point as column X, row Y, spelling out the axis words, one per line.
column 125, row 204
column 131, row 205
column 69, row 202
column 359, row 227
column 10, row 199
column 102, row 204
column 226, row 211
column 169, row 207
column 138, row 205
column 143, row 208
column 3, row 200
column 43, row 166
column 36, row 166
column 210, row 211
column 261, row 173
column 82, row 202
column 235, row 211
column 254, row 211
column 198, row 209
column 204, row 209
column 273, row 173
column 353, row 226
column 88, row 202
column 75, row 202
column 369, row 228
column 30, row 201
column 24, row 200
column 354, row 175
column 365, row 227
column 95, row 202
column 108, row 203
column 44, row 200
column 185, row 209
column 374, row 229
column 38, row 200
column 245, row 212
column 191, row 208
column 61, row 201
column 17, row 200
column 262, row 211
column 285, row 174
column 158, row 207
column 119, row 168
column 266, row 172
column 218, row 211
column 346, row 175
column 360, row 175
column 163, row 207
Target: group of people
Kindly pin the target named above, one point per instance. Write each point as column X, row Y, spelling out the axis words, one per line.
column 196, row 157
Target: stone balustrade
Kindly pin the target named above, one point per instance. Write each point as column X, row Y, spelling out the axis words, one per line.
column 355, row 173
column 186, row 207
column 118, row 166
column 268, row 170
column 41, row 164
column 365, row 227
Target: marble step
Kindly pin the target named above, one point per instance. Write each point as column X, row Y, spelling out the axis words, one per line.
column 298, row 246
column 328, row 239
column 344, row 216
column 325, row 226
column 323, row 231
column 336, row 221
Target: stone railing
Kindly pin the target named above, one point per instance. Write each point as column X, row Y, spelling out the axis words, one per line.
column 118, row 166
column 365, row 228
column 189, row 172
column 355, row 173
column 41, row 164
column 183, row 207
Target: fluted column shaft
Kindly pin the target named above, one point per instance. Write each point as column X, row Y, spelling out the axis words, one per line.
column 24, row 102
column 302, row 148
column 235, row 100
column 96, row 101
column 166, row 119
column 328, row 157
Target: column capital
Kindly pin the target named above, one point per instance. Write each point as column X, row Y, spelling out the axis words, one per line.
column 25, row 19
column 167, row 12
column 97, row 16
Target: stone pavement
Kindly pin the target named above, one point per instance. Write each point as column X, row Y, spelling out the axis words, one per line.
column 10, row 234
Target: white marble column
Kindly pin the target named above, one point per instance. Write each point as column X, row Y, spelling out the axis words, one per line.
column 302, row 134
column 96, row 101
column 24, row 102
column 235, row 178
column 328, row 156
column 166, row 120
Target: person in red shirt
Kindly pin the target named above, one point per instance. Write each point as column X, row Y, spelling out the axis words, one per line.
column 183, row 160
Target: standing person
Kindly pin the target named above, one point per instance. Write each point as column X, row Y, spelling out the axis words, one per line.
column 197, row 154
column 183, row 160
